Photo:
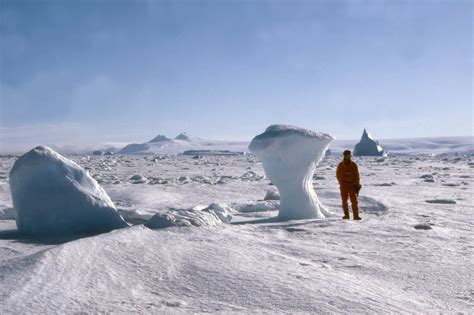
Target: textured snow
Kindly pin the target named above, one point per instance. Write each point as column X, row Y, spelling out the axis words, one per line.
column 289, row 156
column 367, row 146
column 406, row 256
column 54, row 195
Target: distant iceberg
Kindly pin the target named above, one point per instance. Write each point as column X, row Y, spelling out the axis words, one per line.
column 367, row 146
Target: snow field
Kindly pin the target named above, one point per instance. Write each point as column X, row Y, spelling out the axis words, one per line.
column 382, row 264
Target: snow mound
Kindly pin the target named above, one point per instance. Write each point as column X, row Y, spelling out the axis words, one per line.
column 272, row 195
column 261, row 206
column 159, row 138
column 183, row 136
column 7, row 214
column 138, row 179
column 134, row 148
column 367, row 146
column 54, row 196
column 289, row 156
column 213, row 215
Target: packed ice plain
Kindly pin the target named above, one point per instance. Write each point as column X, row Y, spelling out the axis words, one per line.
column 411, row 253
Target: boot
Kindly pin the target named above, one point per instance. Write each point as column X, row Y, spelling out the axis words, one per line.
column 346, row 214
column 356, row 214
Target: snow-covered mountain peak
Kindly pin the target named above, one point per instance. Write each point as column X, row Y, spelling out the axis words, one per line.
column 159, row 138
column 183, row 136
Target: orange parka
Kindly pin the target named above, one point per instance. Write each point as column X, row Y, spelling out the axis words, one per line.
column 348, row 175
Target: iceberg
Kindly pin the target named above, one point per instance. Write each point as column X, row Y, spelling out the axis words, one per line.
column 367, row 146
column 289, row 156
column 53, row 195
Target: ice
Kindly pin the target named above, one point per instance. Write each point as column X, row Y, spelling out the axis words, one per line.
column 212, row 215
column 54, row 195
column 262, row 206
column 289, row 156
column 138, row 179
column 7, row 214
column 391, row 260
column 367, row 146
column 272, row 195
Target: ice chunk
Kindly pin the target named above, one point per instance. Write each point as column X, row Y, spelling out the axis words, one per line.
column 54, row 195
column 212, row 215
column 272, row 195
column 260, row 206
column 367, row 146
column 289, row 156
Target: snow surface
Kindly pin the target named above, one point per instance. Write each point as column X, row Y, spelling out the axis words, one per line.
column 367, row 146
column 405, row 256
column 54, row 195
column 289, row 156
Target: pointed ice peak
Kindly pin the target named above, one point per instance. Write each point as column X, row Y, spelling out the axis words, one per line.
column 367, row 146
column 183, row 136
column 159, row 138
column 366, row 135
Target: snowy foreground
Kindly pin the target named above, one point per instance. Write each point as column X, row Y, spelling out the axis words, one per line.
column 411, row 253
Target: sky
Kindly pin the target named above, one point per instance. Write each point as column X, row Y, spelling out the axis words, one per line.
column 103, row 71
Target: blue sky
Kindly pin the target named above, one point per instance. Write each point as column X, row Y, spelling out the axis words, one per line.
column 84, row 71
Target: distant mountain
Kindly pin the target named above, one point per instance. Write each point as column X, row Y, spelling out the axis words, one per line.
column 183, row 136
column 159, row 138
column 165, row 145
column 181, row 143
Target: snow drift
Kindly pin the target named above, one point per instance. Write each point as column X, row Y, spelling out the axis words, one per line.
column 212, row 215
column 289, row 156
column 367, row 146
column 54, row 195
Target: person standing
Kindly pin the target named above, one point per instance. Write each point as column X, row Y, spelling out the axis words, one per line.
column 347, row 174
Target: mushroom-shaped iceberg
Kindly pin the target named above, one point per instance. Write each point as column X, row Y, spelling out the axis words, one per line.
column 289, row 156
column 53, row 195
